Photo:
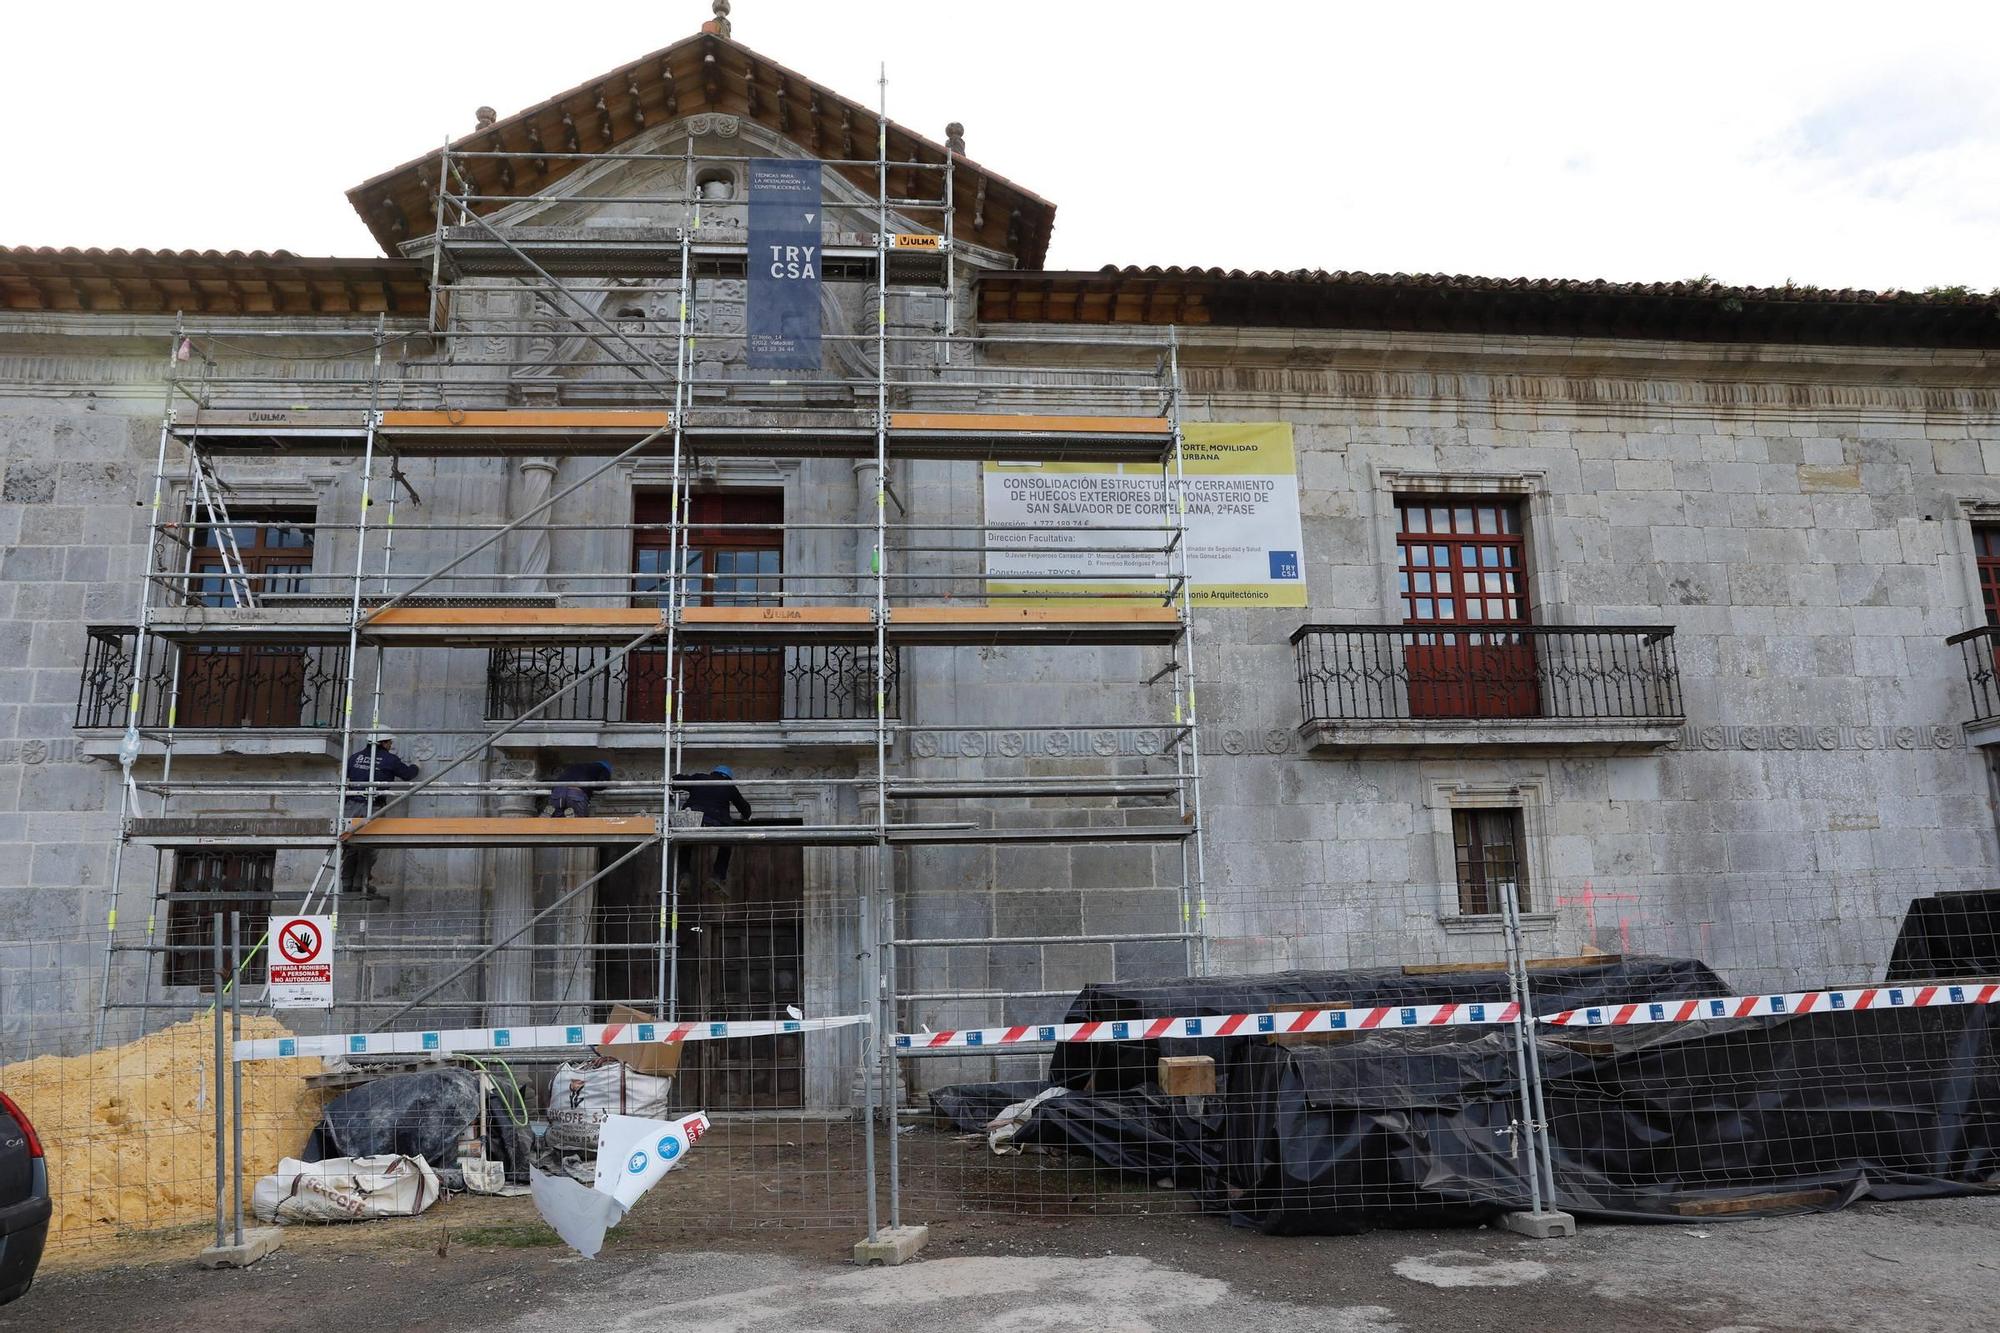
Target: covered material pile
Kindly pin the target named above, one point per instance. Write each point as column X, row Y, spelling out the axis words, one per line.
column 130, row 1130
column 1414, row 1127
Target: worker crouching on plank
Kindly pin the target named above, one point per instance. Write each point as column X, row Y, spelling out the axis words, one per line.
column 712, row 795
column 575, row 785
column 371, row 766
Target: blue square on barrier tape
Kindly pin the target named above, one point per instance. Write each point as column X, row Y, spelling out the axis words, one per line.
column 975, row 1039
column 1120, row 1031
column 791, row 1025
column 1267, row 1023
column 1284, row 564
column 1656, row 1012
column 645, row 1032
column 357, row 1045
column 1777, row 1004
column 288, row 1046
column 1409, row 1018
column 1193, row 1027
column 1593, row 1015
column 431, row 1042
column 1336, row 1018
column 1045, row 1034
column 902, row 1039
column 1475, row 1013
column 1896, row 996
column 502, row 1037
column 718, row 1029
column 1836, row 1000
column 1958, row 995
column 574, row 1036
column 1717, row 1009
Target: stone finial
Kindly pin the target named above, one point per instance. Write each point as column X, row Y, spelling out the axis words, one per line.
column 954, row 137
column 719, row 25
column 484, row 118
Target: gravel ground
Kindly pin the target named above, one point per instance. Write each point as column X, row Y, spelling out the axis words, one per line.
column 489, row 1265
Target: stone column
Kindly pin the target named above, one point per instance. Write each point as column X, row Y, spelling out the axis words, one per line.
column 510, row 899
column 529, row 544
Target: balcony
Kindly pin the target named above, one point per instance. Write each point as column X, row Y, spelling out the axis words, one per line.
column 242, row 700
column 1982, row 680
column 733, row 695
column 1609, row 689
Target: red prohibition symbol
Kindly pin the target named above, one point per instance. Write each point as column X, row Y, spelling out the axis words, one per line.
column 299, row 941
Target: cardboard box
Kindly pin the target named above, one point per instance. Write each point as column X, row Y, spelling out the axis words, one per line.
column 660, row 1059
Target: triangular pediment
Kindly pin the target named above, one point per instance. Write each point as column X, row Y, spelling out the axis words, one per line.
column 704, row 74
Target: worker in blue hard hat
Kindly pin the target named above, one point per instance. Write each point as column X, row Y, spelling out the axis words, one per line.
column 712, row 795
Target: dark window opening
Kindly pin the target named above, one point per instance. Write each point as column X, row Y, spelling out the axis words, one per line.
column 733, row 558
column 1462, row 571
column 1491, row 848
column 206, row 883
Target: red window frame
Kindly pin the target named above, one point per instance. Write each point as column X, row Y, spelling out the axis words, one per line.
column 732, row 560
column 1462, row 575
column 1442, row 542
column 1986, row 550
column 248, row 686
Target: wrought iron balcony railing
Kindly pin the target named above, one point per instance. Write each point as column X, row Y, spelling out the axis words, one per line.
column 264, row 687
column 1982, row 672
column 796, row 683
column 1381, row 673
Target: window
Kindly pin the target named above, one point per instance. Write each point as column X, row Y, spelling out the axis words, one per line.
column 248, row 687
column 1461, row 565
column 733, row 557
column 206, row 883
column 272, row 545
column 1986, row 548
column 1491, row 850
column 1461, row 562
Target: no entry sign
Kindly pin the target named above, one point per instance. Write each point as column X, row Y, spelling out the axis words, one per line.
column 301, row 954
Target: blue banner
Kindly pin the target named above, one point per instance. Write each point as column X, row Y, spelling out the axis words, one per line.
column 784, row 312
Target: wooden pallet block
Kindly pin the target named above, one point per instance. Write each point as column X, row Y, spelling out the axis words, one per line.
column 1753, row 1203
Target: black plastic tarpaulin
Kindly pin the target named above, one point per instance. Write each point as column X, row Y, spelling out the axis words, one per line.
column 424, row 1114
column 1413, row 1127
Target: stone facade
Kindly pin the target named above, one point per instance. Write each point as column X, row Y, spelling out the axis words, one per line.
column 1801, row 517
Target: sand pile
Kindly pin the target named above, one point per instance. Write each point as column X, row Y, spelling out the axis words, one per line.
column 130, row 1130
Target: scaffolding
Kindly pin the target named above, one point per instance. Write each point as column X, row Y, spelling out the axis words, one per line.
column 515, row 289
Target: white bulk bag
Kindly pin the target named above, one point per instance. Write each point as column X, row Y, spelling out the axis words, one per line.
column 346, row 1189
column 582, row 1095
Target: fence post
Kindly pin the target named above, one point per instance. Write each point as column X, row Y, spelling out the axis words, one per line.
column 221, row 1086
column 236, row 1069
column 1544, row 1220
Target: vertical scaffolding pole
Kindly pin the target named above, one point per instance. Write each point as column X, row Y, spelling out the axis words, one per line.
column 1184, row 677
column 236, row 1071
column 669, row 961
column 339, row 819
column 885, row 1007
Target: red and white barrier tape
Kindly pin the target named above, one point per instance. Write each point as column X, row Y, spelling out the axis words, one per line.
column 1219, row 1025
column 446, row 1041
column 1777, row 1006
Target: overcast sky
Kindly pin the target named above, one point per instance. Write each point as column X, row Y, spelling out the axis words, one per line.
column 1827, row 143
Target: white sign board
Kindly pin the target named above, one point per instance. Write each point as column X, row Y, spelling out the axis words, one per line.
column 1075, row 522
column 300, row 949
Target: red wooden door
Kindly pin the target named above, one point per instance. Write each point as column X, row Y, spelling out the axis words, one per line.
column 727, row 564
column 1462, row 574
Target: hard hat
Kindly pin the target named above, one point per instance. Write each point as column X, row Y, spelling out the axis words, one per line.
column 723, row 770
